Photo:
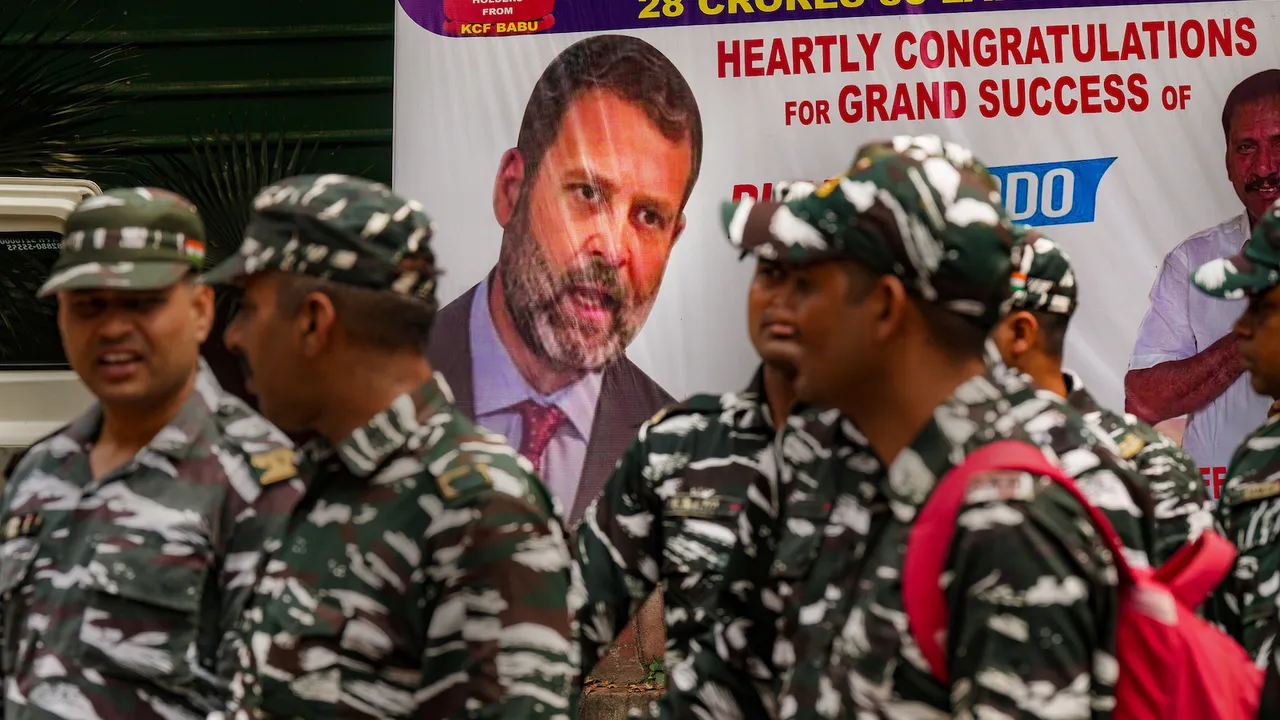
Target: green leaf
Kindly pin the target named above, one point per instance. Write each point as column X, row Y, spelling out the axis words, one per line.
column 55, row 93
column 53, row 100
column 660, row 678
column 221, row 172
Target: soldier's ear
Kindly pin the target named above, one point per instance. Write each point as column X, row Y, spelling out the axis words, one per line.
column 316, row 324
column 1024, row 332
column 202, row 307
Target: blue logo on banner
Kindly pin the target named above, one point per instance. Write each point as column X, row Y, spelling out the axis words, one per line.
column 1054, row 193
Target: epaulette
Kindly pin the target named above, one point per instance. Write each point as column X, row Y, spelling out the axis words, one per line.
column 463, row 479
column 274, row 465
column 1130, row 445
column 693, row 405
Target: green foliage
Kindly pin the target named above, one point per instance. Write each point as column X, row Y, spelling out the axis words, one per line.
column 656, row 671
column 54, row 92
column 221, row 172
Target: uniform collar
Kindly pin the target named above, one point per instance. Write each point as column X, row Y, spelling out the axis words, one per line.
column 194, row 428
column 364, row 450
column 978, row 411
column 749, row 409
column 1078, row 397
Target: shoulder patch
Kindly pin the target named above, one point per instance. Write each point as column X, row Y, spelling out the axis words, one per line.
column 1000, row 485
column 274, row 465
column 1130, row 445
column 657, row 417
column 1252, row 492
column 471, row 475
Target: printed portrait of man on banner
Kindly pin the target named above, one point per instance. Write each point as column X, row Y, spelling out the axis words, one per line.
column 1186, row 361
column 591, row 203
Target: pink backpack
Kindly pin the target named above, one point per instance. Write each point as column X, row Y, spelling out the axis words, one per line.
column 1173, row 664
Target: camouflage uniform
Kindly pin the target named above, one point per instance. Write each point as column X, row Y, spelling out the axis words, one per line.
column 425, row 574
column 1032, row 599
column 120, row 594
column 672, row 513
column 1245, row 604
column 1044, row 282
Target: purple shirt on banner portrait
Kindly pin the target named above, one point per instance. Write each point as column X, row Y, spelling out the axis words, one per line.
column 499, row 388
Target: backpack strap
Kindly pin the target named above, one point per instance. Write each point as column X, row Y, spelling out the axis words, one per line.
column 1197, row 568
column 929, row 541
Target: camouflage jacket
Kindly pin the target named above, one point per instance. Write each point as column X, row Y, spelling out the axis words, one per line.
column 1181, row 505
column 1244, row 605
column 121, row 595
column 425, row 574
column 672, row 513
column 1032, row 600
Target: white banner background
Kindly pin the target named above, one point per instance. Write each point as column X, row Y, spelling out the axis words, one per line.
column 459, row 103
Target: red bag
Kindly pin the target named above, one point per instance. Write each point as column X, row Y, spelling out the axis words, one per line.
column 1173, row 664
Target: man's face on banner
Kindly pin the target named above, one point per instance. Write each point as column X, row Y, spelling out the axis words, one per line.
column 1253, row 154
column 587, row 242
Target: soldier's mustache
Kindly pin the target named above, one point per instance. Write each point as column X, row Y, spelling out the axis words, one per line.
column 1267, row 181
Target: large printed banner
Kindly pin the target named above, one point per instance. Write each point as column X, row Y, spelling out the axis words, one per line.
column 558, row 173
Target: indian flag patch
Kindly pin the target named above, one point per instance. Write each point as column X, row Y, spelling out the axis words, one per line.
column 194, row 249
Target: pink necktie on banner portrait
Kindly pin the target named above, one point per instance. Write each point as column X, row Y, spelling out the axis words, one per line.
column 538, row 424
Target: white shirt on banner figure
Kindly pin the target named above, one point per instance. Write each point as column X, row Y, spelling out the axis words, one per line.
column 1183, row 322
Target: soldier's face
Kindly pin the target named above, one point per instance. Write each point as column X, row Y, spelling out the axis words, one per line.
column 771, row 312
column 586, row 239
column 835, row 337
column 1259, row 331
column 135, row 348
column 1253, row 154
column 275, row 368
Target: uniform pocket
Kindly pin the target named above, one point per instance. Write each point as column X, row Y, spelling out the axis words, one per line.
column 16, row 558
column 695, row 555
column 142, row 619
column 1258, row 623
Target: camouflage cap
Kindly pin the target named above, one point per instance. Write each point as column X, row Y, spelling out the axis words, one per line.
column 340, row 228
column 128, row 239
column 916, row 207
column 1255, row 269
column 1042, row 278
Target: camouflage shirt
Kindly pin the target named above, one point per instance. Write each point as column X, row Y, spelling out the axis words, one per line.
column 121, row 595
column 1181, row 505
column 424, row 575
column 1245, row 603
column 673, row 513
column 1032, row 599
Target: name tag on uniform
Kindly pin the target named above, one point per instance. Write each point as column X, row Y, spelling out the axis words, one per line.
column 705, row 506
column 1252, row 493
column 21, row 526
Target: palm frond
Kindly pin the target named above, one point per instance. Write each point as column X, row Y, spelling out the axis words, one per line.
column 54, row 93
column 221, row 172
